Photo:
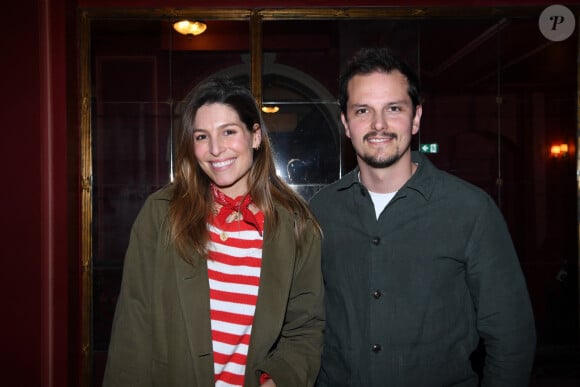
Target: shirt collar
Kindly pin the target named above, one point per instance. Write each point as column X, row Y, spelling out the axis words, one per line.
column 422, row 181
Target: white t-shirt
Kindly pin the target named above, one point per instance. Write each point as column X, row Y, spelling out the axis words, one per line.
column 380, row 201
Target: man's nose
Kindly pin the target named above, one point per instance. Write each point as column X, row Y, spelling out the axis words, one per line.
column 379, row 122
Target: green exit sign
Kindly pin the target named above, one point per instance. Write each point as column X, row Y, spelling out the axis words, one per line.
column 429, row 148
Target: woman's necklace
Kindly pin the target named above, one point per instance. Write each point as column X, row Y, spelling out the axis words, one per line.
column 233, row 217
column 234, row 210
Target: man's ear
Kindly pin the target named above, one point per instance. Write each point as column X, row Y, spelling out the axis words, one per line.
column 345, row 124
column 417, row 119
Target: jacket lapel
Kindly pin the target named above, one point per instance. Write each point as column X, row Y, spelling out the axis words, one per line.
column 275, row 278
column 193, row 291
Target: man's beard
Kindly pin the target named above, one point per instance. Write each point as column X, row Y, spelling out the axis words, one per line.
column 379, row 162
column 382, row 162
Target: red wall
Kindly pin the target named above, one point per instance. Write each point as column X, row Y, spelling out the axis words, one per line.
column 34, row 278
column 39, row 242
column 20, row 199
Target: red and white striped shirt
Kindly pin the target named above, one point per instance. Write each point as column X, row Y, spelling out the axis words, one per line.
column 235, row 259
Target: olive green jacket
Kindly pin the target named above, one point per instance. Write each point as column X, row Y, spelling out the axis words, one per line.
column 161, row 331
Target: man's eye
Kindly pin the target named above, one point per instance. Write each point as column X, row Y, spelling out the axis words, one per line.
column 395, row 109
column 361, row 111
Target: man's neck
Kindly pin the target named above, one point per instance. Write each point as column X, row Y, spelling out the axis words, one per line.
column 385, row 180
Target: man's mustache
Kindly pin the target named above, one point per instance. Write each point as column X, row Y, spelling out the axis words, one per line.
column 392, row 136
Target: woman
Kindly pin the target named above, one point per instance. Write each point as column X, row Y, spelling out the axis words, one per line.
column 222, row 282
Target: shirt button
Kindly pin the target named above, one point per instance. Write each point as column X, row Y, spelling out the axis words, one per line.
column 377, row 294
column 376, row 240
column 376, row 348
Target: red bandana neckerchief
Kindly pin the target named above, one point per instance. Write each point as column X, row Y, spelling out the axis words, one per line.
column 239, row 205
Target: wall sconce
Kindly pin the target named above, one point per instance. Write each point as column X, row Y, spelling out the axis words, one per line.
column 186, row 27
column 559, row 151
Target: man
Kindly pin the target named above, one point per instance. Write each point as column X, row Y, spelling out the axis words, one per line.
column 418, row 264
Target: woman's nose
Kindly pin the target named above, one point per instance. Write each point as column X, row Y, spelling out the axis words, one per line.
column 216, row 147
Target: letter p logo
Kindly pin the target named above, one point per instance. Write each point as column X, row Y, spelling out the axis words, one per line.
column 557, row 23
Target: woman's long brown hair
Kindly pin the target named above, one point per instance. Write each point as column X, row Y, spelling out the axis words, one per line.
column 192, row 200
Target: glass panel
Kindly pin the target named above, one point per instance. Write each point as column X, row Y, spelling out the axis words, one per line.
column 141, row 72
column 498, row 95
column 300, row 65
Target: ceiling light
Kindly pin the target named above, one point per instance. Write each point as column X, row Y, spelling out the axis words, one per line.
column 270, row 109
column 186, row 27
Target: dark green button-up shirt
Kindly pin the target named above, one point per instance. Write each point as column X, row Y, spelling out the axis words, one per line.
column 408, row 296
